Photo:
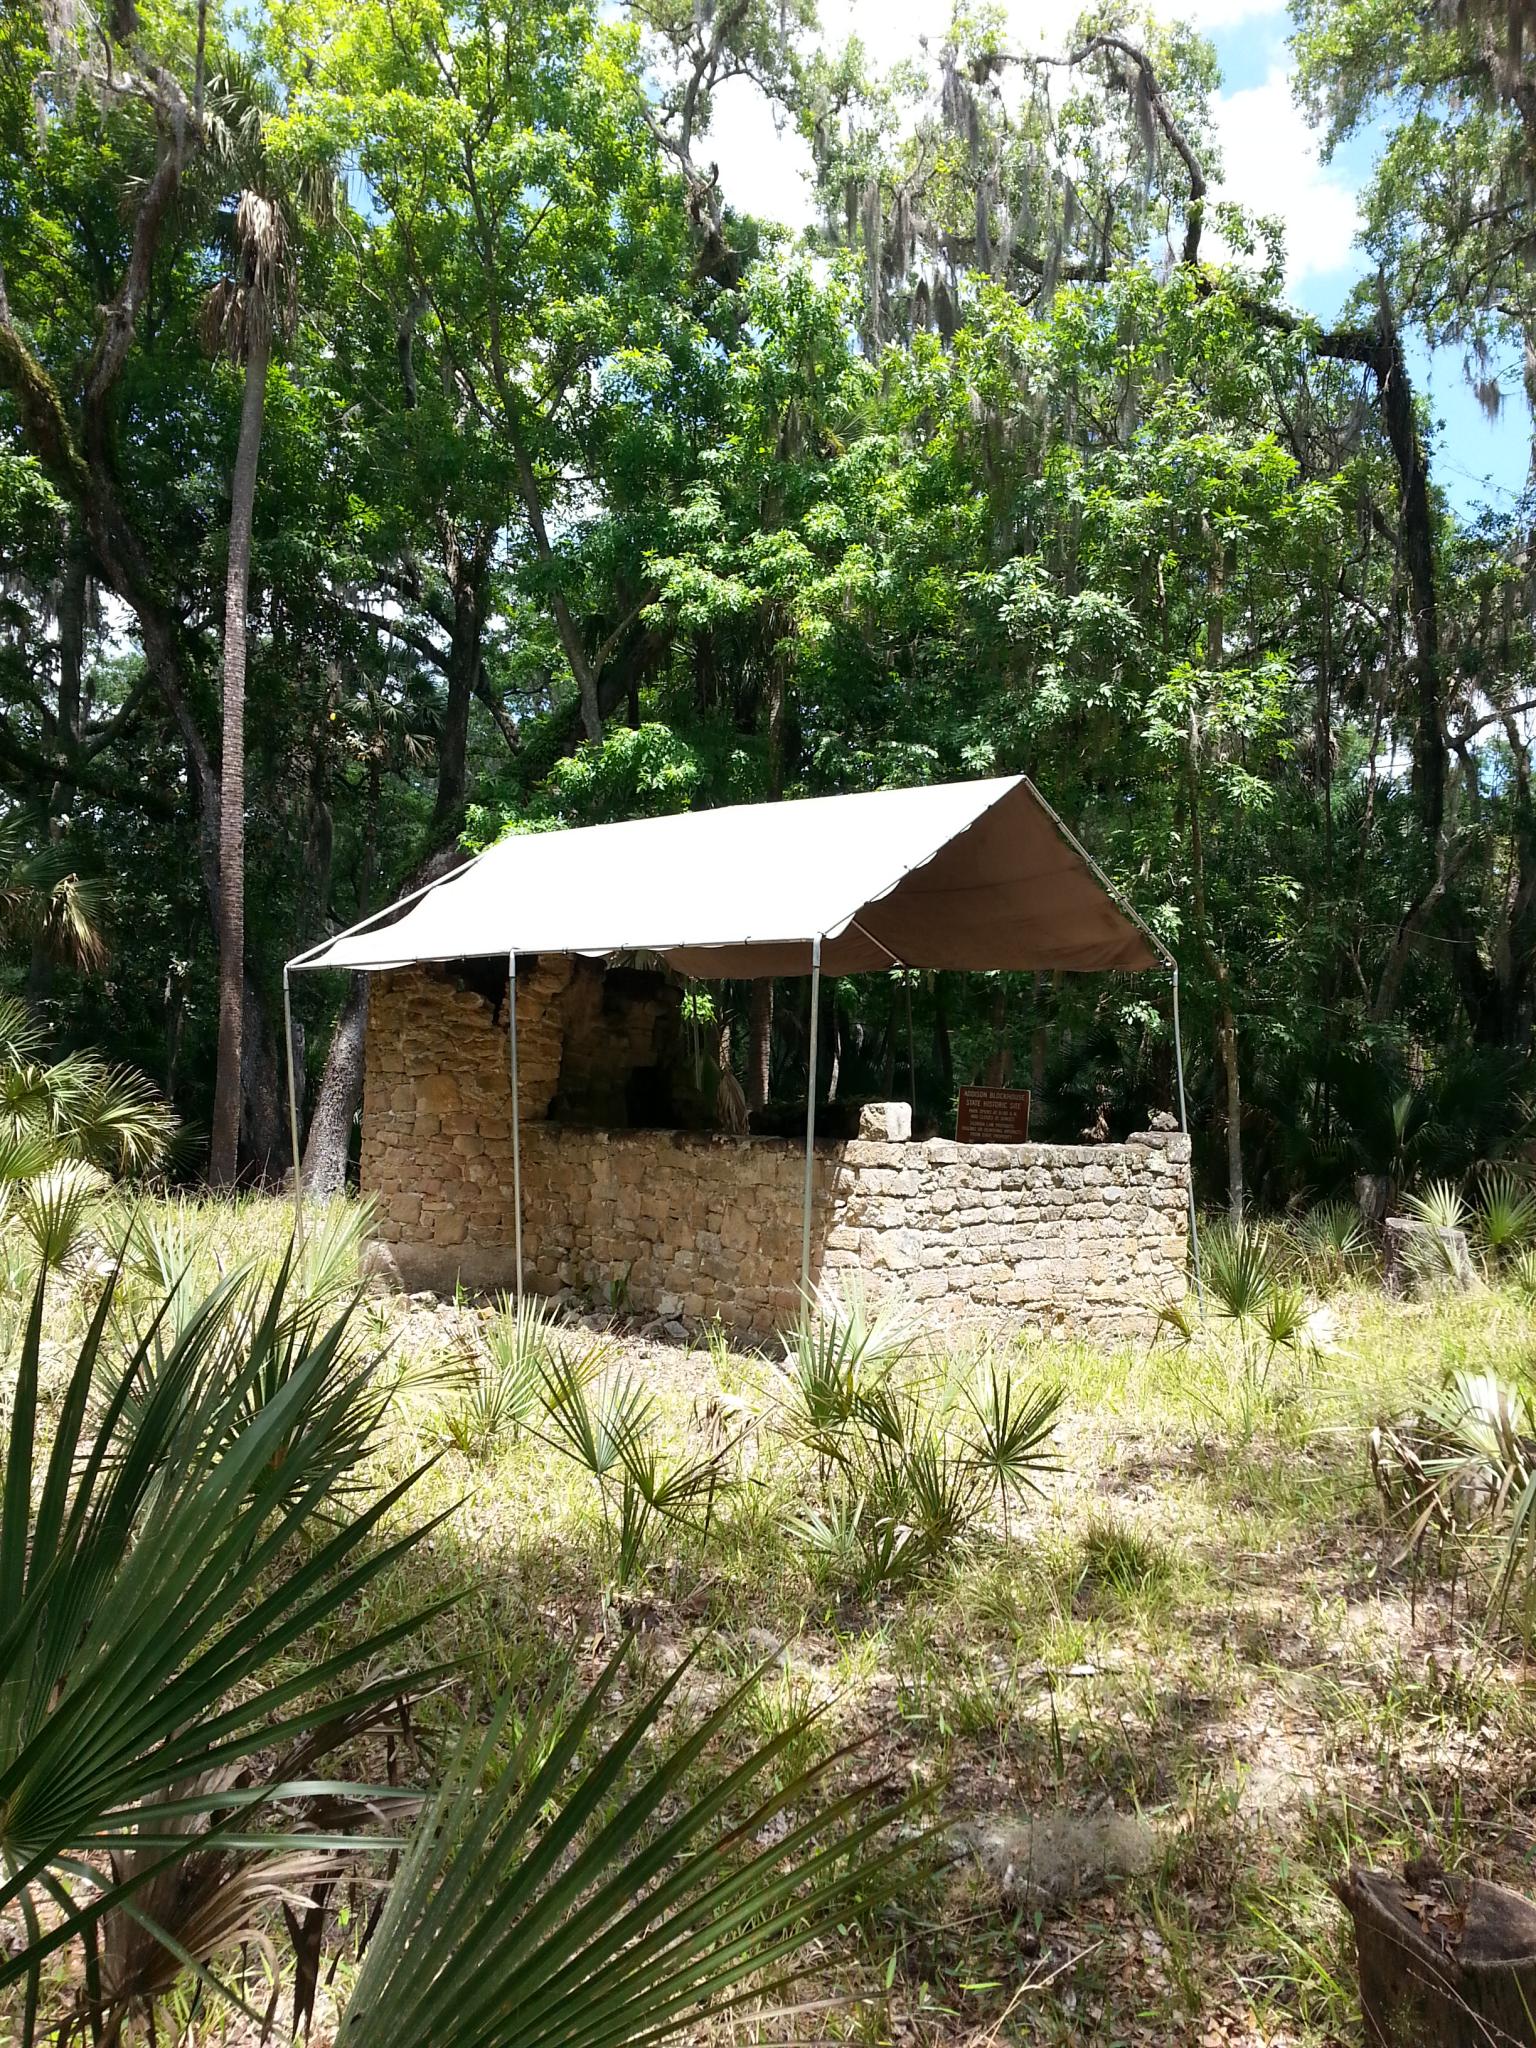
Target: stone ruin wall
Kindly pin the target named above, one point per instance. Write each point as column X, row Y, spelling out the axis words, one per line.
column 1088, row 1238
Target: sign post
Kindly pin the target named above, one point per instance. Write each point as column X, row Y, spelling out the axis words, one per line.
column 993, row 1116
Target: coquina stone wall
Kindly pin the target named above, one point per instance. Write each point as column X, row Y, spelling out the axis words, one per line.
column 1069, row 1237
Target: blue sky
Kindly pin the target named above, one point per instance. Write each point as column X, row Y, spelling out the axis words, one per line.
column 1271, row 166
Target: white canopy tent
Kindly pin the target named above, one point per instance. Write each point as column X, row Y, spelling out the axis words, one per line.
column 978, row 875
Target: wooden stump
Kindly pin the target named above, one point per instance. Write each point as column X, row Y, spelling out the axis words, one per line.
column 1445, row 1961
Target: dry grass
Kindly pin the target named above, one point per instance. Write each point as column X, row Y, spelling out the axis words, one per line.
column 1203, row 1619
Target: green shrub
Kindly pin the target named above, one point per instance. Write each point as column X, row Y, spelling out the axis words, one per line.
column 902, row 1472
column 506, row 1379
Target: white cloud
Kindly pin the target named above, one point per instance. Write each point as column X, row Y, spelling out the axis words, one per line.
column 762, row 171
column 1270, row 165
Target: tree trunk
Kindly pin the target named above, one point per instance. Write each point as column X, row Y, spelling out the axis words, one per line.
column 467, row 575
column 87, row 476
column 1215, row 959
column 73, row 588
column 329, row 1141
column 1226, row 1041
column 264, row 1142
column 224, row 1153
column 571, row 642
column 1038, row 1042
column 341, row 1085
column 1445, row 1961
column 943, row 1050
column 760, row 1020
column 760, row 1047
column 1000, row 1060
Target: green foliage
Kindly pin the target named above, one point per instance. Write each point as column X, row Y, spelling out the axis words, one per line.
column 838, row 1359
column 1441, row 1206
column 1333, row 1242
column 907, row 1471
column 505, row 1379
column 1463, row 1472
column 1247, row 1315
column 566, row 1899
column 1505, row 1216
column 604, row 1423
column 76, row 1108
column 1448, row 207
column 191, row 1573
column 1014, row 1425
column 157, row 1561
column 584, row 498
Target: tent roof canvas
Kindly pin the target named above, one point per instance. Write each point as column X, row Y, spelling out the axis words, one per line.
column 978, row 875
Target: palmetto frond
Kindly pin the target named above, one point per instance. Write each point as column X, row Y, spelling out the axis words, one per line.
column 599, row 1904
column 22, row 1038
column 156, row 1567
column 258, row 299
column 54, row 1208
column 73, row 1108
column 119, row 1122
column 1015, row 1424
column 44, row 899
column 1441, row 1206
column 1505, row 1214
column 1239, row 1271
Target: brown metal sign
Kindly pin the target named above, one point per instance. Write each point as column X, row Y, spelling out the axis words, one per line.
column 993, row 1116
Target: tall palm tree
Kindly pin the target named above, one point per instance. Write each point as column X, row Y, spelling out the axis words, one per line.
column 247, row 312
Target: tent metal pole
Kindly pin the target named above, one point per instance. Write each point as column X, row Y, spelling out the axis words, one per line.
column 1178, row 1061
column 293, row 1122
column 911, row 1047
column 517, row 1142
column 810, row 1122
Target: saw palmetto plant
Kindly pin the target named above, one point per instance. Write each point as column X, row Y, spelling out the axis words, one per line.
column 1504, row 1217
column 1249, row 1314
column 159, row 1562
column 1461, row 1475
column 906, row 1467
column 594, row 1904
column 606, row 1424
column 1014, row 1428
column 1332, row 1242
column 505, row 1378
column 182, row 1571
column 66, row 1126
column 46, row 904
column 838, row 1356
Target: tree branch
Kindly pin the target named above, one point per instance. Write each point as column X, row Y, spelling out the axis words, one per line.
column 43, row 769
column 1162, row 114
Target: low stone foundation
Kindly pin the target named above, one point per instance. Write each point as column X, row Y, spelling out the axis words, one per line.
column 1068, row 1237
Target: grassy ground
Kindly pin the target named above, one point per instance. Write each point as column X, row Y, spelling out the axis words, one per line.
column 1203, row 1621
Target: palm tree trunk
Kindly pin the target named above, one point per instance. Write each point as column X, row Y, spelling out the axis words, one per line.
column 224, row 1155
column 760, row 1043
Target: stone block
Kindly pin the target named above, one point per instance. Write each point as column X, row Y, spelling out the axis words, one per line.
column 888, row 1123
column 439, row 1092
